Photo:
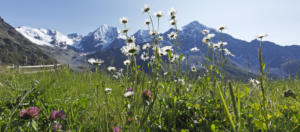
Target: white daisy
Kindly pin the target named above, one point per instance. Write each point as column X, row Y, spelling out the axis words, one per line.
column 95, row 61
column 173, row 22
column 193, row 68
column 147, row 22
column 124, row 20
column 226, row 52
column 261, row 36
column 128, row 94
column 172, row 35
column 125, row 30
column 205, row 31
column 221, row 28
column 195, row 49
column 107, row 90
column 160, row 38
column 126, row 62
column 216, row 46
column 111, row 68
column 130, row 49
column 158, row 14
column 222, row 43
column 152, row 33
column 146, row 8
column 167, row 48
column 172, row 13
column 144, row 56
column 207, row 38
column 130, row 40
column 146, row 46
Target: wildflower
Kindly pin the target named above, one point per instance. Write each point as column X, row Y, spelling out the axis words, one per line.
column 125, row 30
column 195, row 49
column 210, row 35
column 173, row 22
column 226, row 52
column 153, row 33
column 128, row 94
column 116, row 129
column 158, row 14
column 31, row 112
column 147, row 95
column 216, row 46
column 126, row 62
column 129, row 89
column 172, row 35
column 261, row 36
column 57, row 115
column 172, row 13
column 107, row 90
column 124, row 20
column 130, row 40
column 193, row 68
column 130, row 49
column 205, row 31
column 56, row 127
column 111, row 69
column 222, row 43
column 147, row 22
column 1, row 84
column 254, row 82
column 144, row 56
column 146, row 8
column 207, row 38
column 146, row 46
column 221, row 28
column 160, row 38
column 95, row 61
column 167, row 49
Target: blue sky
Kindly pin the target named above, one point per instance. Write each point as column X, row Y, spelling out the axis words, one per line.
column 244, row 18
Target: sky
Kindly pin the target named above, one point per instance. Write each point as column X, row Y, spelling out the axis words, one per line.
column 280, row 19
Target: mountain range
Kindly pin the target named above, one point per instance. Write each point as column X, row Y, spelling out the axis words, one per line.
column 105, row 42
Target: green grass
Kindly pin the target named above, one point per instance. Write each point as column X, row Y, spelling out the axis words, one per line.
column 200, row 108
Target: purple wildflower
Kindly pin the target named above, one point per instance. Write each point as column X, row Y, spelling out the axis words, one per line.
column 57, row 115
column 147, row 95
column 129, row 90
column 31, row 112
column 116, row 129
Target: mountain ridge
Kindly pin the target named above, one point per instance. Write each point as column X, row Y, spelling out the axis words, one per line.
column 105, row 37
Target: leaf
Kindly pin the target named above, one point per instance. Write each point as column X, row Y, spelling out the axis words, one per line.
column 181, row 56
column 263, row 66
column 213, row 127
column 34, row 125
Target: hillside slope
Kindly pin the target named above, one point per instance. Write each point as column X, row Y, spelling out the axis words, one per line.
column 16, row 49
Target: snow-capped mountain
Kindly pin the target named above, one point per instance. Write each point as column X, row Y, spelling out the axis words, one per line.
column 142, row 36
column 102, row 37
column 47, row 37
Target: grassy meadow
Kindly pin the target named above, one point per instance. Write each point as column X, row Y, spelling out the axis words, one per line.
column 166, row 98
